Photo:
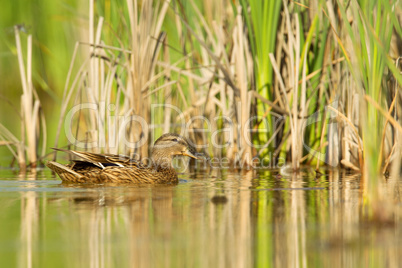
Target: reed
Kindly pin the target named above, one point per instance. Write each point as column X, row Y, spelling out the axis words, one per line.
column 367, row 47
column 33, row 124
column 115, row 84
column 262, row 20
column 231, row 92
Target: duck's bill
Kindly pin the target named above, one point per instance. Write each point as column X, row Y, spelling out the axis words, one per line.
column 197, row 155
column 189, row 154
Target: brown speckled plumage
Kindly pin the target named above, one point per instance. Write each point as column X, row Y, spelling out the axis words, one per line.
column 108, row 168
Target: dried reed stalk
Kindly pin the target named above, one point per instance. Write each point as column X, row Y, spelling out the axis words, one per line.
column 33, row 125
column 119, row 86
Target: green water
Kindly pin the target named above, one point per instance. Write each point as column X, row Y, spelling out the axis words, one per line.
column 210, row 219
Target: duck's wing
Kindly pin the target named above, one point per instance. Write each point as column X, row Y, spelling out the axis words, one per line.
column 65, row 172
column 99, row 160
column 119, row 160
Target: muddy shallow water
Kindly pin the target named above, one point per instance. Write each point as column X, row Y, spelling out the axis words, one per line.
column 212, row 218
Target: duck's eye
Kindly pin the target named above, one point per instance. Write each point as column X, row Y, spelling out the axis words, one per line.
column 175, row 140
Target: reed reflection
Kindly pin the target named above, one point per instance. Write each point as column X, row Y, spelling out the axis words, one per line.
column 223, row 219
column 29, row 228
column 163, row 225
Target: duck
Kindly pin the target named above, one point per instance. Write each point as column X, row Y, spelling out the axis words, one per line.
column 110, row 168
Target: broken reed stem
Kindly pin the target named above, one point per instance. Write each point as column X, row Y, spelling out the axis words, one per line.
column 360, row 149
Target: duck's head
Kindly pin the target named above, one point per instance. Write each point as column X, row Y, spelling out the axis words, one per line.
column 168, row 146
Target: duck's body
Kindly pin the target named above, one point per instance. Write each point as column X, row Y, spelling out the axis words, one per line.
column 108, row 168
column 86, row 172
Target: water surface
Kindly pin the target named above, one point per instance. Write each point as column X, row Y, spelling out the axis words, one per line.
column 214, row 218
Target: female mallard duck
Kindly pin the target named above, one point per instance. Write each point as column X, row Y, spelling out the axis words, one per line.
column 109, row 168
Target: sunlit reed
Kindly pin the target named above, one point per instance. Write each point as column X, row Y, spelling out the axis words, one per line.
column 25, row 148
